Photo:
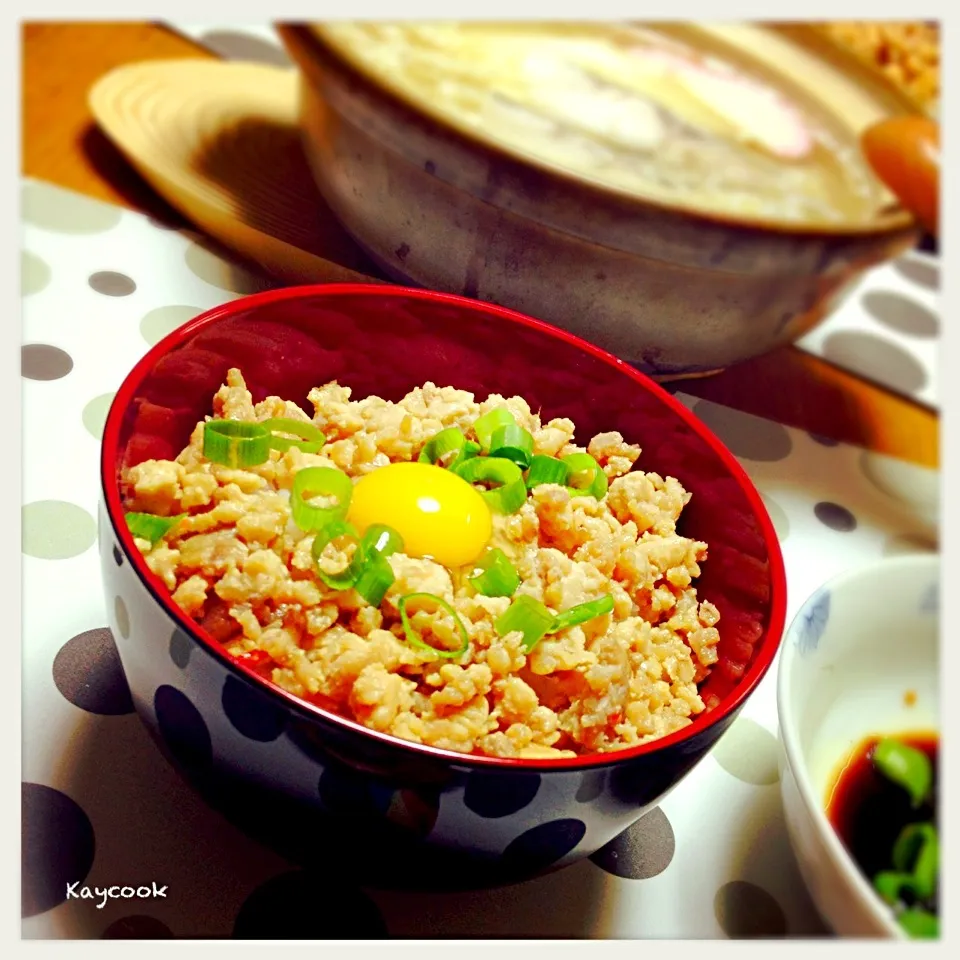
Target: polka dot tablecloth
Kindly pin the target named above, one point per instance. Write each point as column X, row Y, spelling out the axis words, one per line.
column 886, row 329
column 101, row 807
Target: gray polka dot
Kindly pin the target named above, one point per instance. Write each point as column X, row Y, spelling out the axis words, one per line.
column 252, row 712
column 745, row 910
column 239, row 46
column 643, row 850
column 62, row 211
column 121, row 616
column 34, row 273
column 41, row 361
column 56, row 847
column 904, row 481
column 901, row 313
column 303, row 905
column 835, row 517
column 778, row 516
column 138, row 927
column 824, row 440
column 921, row 272
column 220, row 273
column 541, row 846
column 907, row 543
column 748, row 752
column 181, row 646
column 94, row 414
column 744, row 434
column 591, row 786
column 56, row 530
column 158, row 323
column 112, row 284
column 183, row 729
column 500, row 795
column 87, row 671
column 874, row 357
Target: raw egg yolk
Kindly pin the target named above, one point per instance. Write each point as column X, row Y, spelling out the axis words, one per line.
column 438, row 514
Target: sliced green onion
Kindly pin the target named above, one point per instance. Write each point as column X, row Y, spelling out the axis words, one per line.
column 535, row 621
column 920, row 923
column 319, row 482
column 916, row 855
column 381, row 539
column 514, row 443
column 510, row 492
column 905, row 766
column 586, row 478
column 927, row 865
column 368, row 571
column 546, row 470
column 890, row 884
column 440, row 446
column 375, row 578
column 470, row 449
column 497, row 576
column 528, row 616
column 236, row 443
column 148, row 526
column 333, row 531
column 347, row 577
column 908, row 844
column 309, row 438
column 583, row 612
column 485, row 427
column 414, row 638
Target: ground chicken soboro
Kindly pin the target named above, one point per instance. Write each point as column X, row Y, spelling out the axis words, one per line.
column 240, row 567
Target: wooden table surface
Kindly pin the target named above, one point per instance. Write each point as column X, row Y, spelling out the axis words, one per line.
column 62, row 145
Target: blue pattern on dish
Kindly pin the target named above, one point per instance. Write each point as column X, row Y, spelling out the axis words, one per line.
column 930, row 600
column 813, row 622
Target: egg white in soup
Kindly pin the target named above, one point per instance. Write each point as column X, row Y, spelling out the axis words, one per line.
column 630, row 108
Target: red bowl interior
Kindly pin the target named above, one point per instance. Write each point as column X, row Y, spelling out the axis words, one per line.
column 385, row 341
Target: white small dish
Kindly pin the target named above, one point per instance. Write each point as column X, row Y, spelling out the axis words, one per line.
column 861, row 658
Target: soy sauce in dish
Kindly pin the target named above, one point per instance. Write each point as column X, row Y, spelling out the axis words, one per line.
column 883, row 805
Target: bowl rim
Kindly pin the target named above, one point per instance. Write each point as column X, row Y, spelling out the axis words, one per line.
column 110, row 494
column 307, row 38
column 790, row 739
